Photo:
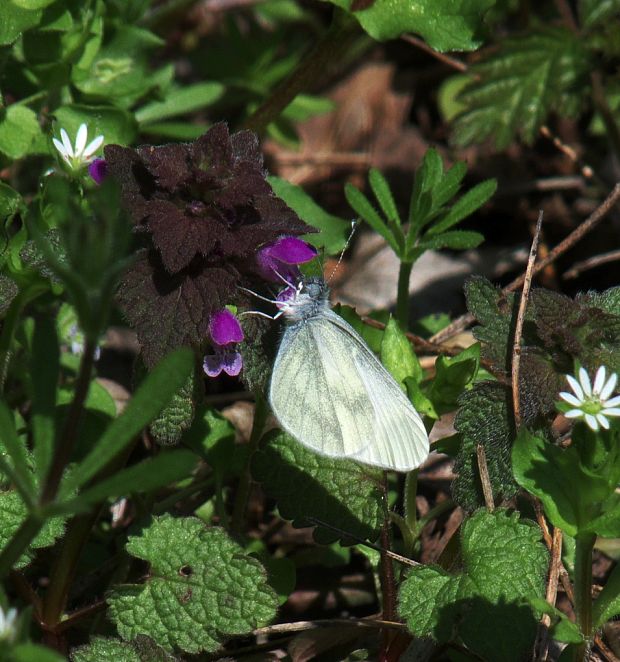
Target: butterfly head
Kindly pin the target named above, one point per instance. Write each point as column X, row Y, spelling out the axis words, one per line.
column 305, row 300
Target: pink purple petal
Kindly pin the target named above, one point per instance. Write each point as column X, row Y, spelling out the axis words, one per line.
column 228, row 362
column 224, row 328
column 279, row 260
column 98, row 170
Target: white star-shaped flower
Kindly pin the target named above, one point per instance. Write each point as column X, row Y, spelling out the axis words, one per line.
column 78, row 155
column 7, row 624
column 592, row 402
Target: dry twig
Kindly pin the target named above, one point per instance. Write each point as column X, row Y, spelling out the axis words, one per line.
column 460, row 323
column 516, row 347
column 542, row 640
column 483, row 469
column 591, row 263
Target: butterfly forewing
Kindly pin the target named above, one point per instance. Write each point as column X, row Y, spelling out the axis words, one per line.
column 333, row 395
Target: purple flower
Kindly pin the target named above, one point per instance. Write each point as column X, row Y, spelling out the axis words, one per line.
column 228, row 362
column 98, row 170
column 280, row 259
column 224, row 329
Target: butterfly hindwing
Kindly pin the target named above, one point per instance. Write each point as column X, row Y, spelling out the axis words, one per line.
column 332, row 394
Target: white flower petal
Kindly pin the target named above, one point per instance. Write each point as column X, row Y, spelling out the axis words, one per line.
column 66, row 142
column 608, row 389
column 574, row 384
column 603, row 421
column 59, row 146
column 93, row 146
column 584, row 380
column 599, row 380
column 80, row 139
column 612, row 403
column 614, row 411
column 591, row 422
column 571, row 399
column 574, row 413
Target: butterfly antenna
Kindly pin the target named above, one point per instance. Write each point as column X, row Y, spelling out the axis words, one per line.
column 258, row 296
column 354, row 224
column 393, row 555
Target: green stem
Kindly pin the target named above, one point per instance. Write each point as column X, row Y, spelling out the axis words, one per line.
column 402, row 295
column 411, row 511
column 62, row 452
column 261, row 411
column 583, row 587
column 331, row 48
column 19, row 542
column 64, row 567
column 10, row 324
column 434, row 512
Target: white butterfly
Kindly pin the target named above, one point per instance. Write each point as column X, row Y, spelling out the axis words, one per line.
column 331, row 393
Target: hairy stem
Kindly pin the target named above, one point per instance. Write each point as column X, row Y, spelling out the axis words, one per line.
column 583, row 587
column 411, row 510
column 402, row 295
column 64, row 447
column 331, row 48
column 261, row 412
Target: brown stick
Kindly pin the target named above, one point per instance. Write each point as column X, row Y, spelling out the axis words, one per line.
column 574, row 237
column 591, row 263
column 516, row 347
column 302, row 626
column 542, row 645
column 483, row 468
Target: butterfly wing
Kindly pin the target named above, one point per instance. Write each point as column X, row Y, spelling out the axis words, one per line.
column 330, row 392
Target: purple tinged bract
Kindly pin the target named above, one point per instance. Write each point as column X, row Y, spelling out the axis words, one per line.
column 98, row 170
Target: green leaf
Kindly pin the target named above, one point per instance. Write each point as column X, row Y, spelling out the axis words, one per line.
column 44, row 369
column 455, row 239
column 360, row 203
column 13, row 512
column 607, row 605
column 341, row 493
column 18, row 468
column 484, row 417
column 468, row 204
column 515, row 89
column 107, row 649
column 504, row 565
column 141, row 478
column 8, row 291
column 32, row 4
column 10, row 201
column 175, row 130
column 569, row 493
column 595, row 12
column 152, row 396
column 333, row 230
column 495, row 312
column 177, row 416
column 452, row 376
column 201, row 588
column 29, row 652
column 16, row 20
column 114, row 124
column 445, row 24
column 213, row 437
column 562, row 628
column 180, row 101
column 384, row 196
column 19, row 131
column 397, row 354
